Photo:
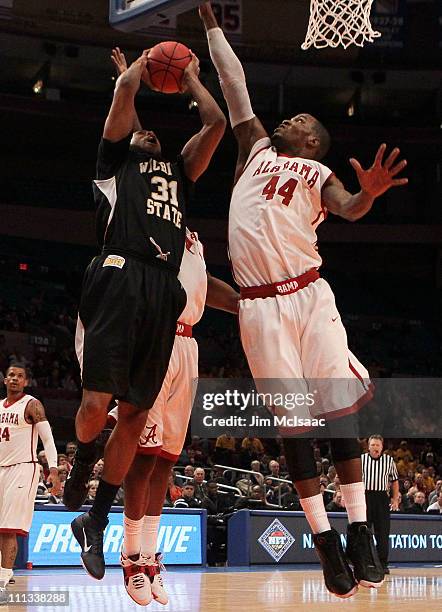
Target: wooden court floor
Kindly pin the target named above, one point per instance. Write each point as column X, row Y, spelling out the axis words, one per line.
column 228, row 590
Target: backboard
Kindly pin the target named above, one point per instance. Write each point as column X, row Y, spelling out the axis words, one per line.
column 128, row 15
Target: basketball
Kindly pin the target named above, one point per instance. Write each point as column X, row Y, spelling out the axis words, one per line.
column 166, row 64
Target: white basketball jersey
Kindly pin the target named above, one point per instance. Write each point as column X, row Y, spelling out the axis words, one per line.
column 274, row 212
column 18, row 439
column 193, row 278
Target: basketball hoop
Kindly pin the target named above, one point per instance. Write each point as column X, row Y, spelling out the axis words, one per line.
column 339, row 22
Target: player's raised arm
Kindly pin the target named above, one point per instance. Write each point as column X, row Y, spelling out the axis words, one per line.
column 246, row 126
column 35, row 413
column 119, row 60
column 199, row 150
column 221, row 296
column 120, row 120
column 374, row 181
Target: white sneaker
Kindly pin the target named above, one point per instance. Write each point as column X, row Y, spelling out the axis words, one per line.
column 136, row 581
column 153, row 568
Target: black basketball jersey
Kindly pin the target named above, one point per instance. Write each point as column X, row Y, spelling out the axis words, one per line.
column 141, row 202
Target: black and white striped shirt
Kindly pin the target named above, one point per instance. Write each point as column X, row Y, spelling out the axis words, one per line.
column 376, row 473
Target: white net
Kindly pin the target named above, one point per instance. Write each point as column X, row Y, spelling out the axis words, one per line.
column 339, row 22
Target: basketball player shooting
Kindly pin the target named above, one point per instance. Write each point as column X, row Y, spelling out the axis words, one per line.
column 281, row 194
column 131, row 296
column 22, row 422
column 163, row 436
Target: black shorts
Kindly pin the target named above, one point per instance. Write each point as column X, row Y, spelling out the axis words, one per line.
column 128, row 312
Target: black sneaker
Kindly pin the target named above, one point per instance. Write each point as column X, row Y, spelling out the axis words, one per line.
column 361, row 551
column 76, row 485
column 89, row 534
column 338, row 576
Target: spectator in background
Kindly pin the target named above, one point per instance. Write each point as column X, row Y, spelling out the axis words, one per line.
column 255, row 501
column 405, row 486
column 428, row 449
column 71, row 447
column 216, row 505
column 404, row 466
column 419, row 483
column 224, row 449
column 337, row 504
column 436, row 507
column 214, row 502
column 274, row 469
column 429, row 483
column 98, row 469
column 331, row 473
column 434, row 494
column 188, row 499
column 189, row 471
column 335, row 485
column 62, row 461
column 399, row 506
column 253, row 446
column 258, row 477
column 91, row 491
column 199, row 484
column 404, row 451
column 418, row 506
column 63, row 473
column 283, row 467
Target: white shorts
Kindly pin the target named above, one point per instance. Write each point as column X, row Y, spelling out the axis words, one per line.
column 301, row 336
column 166, row 426
column 18, row 487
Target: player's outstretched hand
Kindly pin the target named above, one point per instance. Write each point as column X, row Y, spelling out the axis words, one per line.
column 207, row 16
column 376, row 180
column 191, row 73
column 119, row 60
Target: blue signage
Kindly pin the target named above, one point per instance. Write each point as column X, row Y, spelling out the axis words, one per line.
column 180, row 538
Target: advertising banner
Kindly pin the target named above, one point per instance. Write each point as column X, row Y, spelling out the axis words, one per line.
column 181, row 538
column 285, row 537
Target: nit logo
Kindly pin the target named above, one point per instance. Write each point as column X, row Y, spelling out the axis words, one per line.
column 276, row 540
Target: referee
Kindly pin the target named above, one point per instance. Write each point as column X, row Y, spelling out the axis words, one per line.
column 377, row 471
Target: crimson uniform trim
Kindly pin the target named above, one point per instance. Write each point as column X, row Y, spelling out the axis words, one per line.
column 285, row 287
column 183, row 329
column 14, row 531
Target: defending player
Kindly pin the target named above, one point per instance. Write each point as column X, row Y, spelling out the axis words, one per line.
column 281, row 194
column 22, row 422
column 163, row 437
column 131, row 296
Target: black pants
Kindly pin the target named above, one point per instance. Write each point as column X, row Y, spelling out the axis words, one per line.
column 378, row 516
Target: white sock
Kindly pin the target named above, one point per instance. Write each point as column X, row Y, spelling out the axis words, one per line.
column 132, row 536
column 315, row 513
column 149, row 535
column 5, row 575
column 354, row 498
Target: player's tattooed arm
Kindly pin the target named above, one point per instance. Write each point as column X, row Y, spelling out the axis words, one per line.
column 35, row 412
column 221, row 296
column 374, row 181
